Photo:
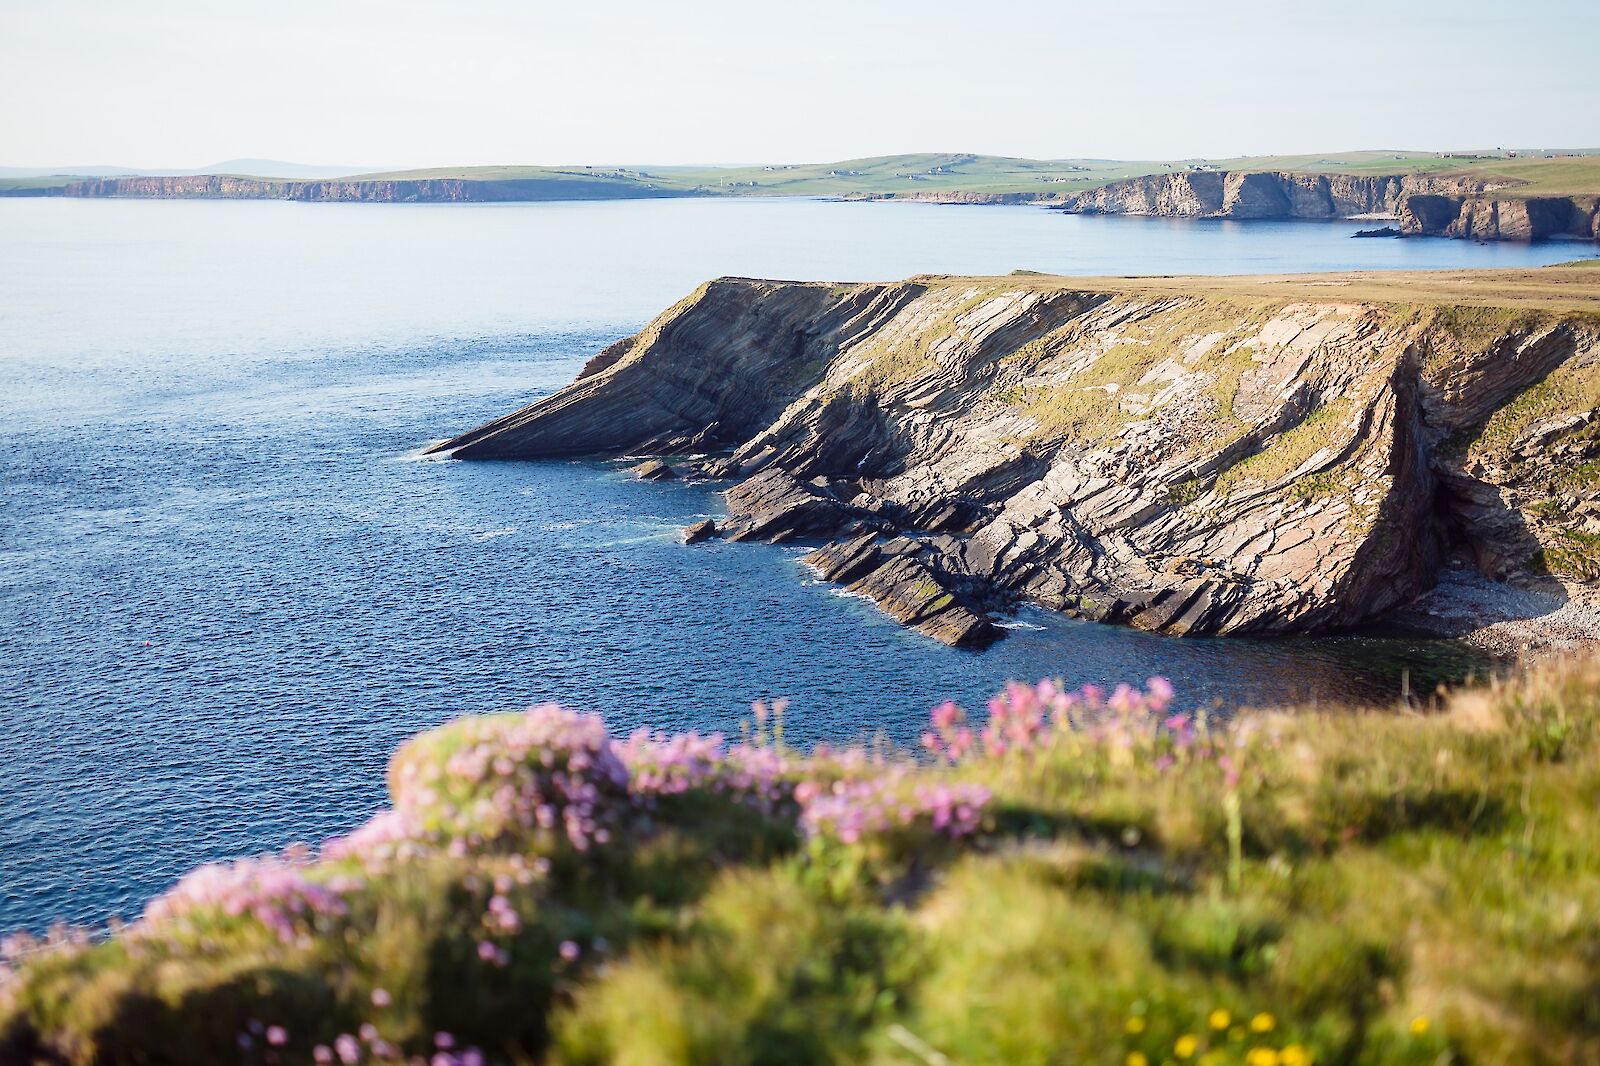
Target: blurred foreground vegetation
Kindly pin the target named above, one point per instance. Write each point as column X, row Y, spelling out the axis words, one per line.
column 1078, row 878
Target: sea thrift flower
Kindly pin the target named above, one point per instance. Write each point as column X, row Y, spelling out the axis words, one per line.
column 385, row 836
column 662, row 764
column 850, row 810
column 1027, row 719
column 548, row 772
column 501, row 916
column 569, row 951
column 348, row 1048
column 268, row 890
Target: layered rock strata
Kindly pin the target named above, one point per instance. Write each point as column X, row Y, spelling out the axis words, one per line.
column 1223, row 461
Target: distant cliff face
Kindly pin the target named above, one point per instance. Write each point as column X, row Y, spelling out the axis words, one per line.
column 1533, row 219
column 1425, row 204
column 1183, row 463
column 425, row 190
column 1233, row 194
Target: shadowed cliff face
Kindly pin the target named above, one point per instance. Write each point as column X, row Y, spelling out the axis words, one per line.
column 1425, row 205
column 1207, row 463
column 1534, row 219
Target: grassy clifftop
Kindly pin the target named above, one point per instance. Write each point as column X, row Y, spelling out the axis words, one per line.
column 1082, row 877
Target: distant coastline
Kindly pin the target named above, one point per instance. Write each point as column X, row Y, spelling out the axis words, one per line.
column 1500, row 197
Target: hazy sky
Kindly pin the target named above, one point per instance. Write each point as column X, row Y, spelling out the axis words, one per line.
column 419, row 82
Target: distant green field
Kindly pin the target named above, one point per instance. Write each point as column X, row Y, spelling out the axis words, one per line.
column 938, row 174
column 55, row 181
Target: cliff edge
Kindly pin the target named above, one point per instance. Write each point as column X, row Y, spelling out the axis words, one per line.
column 1185, row 455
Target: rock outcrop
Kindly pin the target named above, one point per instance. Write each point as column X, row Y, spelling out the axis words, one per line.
column 700, row 531
column 653, row 470
column 1216, row 461
column 1423, row 204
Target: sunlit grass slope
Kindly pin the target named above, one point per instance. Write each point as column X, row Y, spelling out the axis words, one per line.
column 1077, row 878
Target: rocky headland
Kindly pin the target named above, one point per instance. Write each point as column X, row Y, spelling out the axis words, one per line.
column 1422, row 204
column 1184, row 455
column 376, row 190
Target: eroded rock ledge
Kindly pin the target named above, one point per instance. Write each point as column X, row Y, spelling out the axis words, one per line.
column 1224, row 456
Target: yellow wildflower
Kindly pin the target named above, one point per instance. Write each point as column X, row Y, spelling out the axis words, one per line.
column 1136, row 1058
column 1261, row 1056
column 1220, row 1018
column 1262, row 1023
column 1419, row 1025
column 1185, row 1045
column 1135, row 1025
column 1294, row 1055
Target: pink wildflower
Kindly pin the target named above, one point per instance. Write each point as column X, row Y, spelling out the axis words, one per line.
column 348, row 1049
column 268, row 890
column 548, row 769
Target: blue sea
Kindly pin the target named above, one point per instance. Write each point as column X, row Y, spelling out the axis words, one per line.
column 229, row 587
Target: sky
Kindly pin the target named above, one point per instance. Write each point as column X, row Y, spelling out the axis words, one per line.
column 392, row 83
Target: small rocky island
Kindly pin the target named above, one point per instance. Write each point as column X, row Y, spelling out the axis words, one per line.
column 1185, row 455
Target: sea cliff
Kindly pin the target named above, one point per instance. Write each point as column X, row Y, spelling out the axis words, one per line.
column 384, row 190
column 1424, row 204
column 1189, row 456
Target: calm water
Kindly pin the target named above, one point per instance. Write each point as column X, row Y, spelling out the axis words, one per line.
column 228, row 590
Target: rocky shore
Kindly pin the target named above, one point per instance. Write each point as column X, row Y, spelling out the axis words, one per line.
column 1188, row 456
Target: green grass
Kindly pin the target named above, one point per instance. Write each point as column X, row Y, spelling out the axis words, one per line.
column 1373, row 887
column 17, row 185
column 1570, row 387
column 1288, row 451
column 1091, row 403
